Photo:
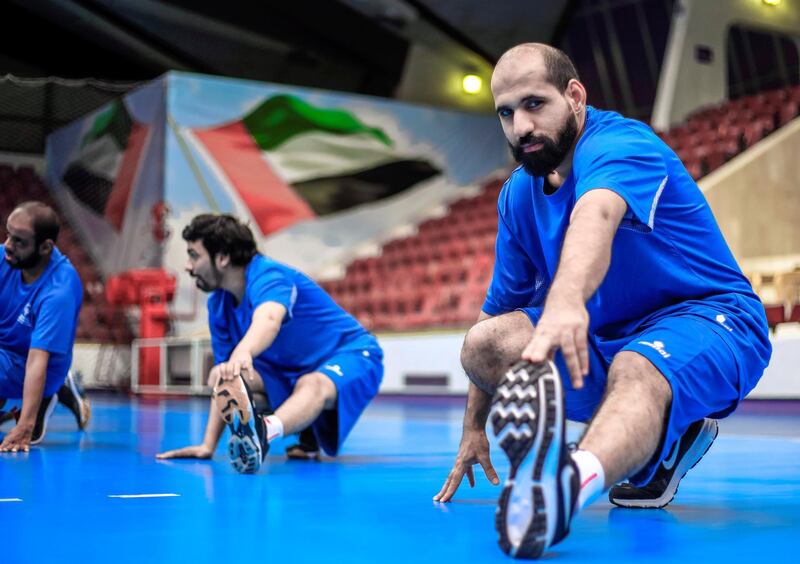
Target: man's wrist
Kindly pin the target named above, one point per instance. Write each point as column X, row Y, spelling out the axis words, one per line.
column 26, row 425
column 561, row 296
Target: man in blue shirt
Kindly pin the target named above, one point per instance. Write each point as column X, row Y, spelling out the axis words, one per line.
column 617, row 297
column 279, row 341
column 40, row 298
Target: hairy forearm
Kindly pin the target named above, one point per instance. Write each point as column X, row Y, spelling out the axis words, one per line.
column 32, row 390
column 477, row 411
column 586, row 253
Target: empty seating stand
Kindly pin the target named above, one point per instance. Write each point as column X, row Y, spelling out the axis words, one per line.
column 714, row 135
column 98, row 322
column 436, row 278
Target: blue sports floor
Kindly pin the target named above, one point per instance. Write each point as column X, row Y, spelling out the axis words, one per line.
column 373, row 503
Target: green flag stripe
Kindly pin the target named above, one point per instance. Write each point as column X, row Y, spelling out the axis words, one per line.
column 282, row 117
column 115, row 122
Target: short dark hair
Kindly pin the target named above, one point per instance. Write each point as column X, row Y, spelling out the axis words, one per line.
column 560, row 69
column 557, row 64
column 222, row 233
column 44, row 220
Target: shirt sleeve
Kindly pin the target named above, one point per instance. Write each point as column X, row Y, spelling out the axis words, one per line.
column 515, row 280
column 54, row 328
column 629, row 165
column 273, row 285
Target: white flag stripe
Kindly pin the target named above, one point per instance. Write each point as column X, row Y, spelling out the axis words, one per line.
column 137, row 496
column 9, row 499
column 102, row 157
column 321, row 155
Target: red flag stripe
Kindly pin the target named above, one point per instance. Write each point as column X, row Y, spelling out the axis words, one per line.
column 123, row 184
column 272, row 203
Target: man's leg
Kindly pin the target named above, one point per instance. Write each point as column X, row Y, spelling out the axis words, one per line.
column 72, row 396
column 358, row 374
column 627, row 427
column 313, row 393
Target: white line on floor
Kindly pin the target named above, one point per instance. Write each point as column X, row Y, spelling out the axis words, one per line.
column 7, row 499
column 136, row 496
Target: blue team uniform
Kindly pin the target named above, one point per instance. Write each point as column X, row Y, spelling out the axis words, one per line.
column 673, row 291
column 317, row 336
column 41, row 315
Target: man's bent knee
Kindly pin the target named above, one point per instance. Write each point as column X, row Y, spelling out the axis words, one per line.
column 632, row 369
column 321, row 386
column 493, row 345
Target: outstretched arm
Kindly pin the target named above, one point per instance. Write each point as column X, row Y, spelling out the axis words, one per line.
column 19, row 438
column 474, row 447
column 214, row 429
column 585, row 257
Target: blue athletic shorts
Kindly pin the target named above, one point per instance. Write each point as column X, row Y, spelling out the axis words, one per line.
column 710, row 359
column 357, row 374
column 12, row 377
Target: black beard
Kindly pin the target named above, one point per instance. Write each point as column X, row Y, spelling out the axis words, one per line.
column 546, row 160
column 30, row 262
column 204, row 285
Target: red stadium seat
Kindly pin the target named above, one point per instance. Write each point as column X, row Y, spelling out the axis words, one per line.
column 794, row 316
column 776, row 313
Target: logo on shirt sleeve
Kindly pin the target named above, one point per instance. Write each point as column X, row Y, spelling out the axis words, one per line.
column 25, row 317
column 722, row 320
column 335, row 368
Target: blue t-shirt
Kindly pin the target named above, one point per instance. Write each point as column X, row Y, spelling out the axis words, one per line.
column 42, row 315
column 314, row 328
column 668, row 255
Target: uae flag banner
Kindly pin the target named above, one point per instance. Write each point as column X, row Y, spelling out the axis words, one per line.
column 103, row 173
column 289, row 160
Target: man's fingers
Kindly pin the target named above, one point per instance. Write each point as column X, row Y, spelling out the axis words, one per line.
column 453, row 482
column 451, row 489
column 571, row 360
column 470, row 476
column 226, row 371
column 489, row 470
column 438, row 496
column 582, row 346
column 540, row 348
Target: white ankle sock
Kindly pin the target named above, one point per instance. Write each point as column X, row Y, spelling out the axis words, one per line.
column 591, row 475
column 274, row 427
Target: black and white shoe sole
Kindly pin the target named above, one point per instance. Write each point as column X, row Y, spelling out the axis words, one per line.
column 233, row 403
column 528, row 420
column 705, row 438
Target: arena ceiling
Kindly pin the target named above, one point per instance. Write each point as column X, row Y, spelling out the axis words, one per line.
column 350, row 45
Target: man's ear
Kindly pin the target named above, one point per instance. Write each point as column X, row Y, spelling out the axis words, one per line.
column 46, row 247
column 576, row 95
column 222, row 260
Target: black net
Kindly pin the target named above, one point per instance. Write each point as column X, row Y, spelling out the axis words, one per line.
column 31, row 108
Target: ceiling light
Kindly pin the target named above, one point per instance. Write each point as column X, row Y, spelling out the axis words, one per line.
column 471, row 83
